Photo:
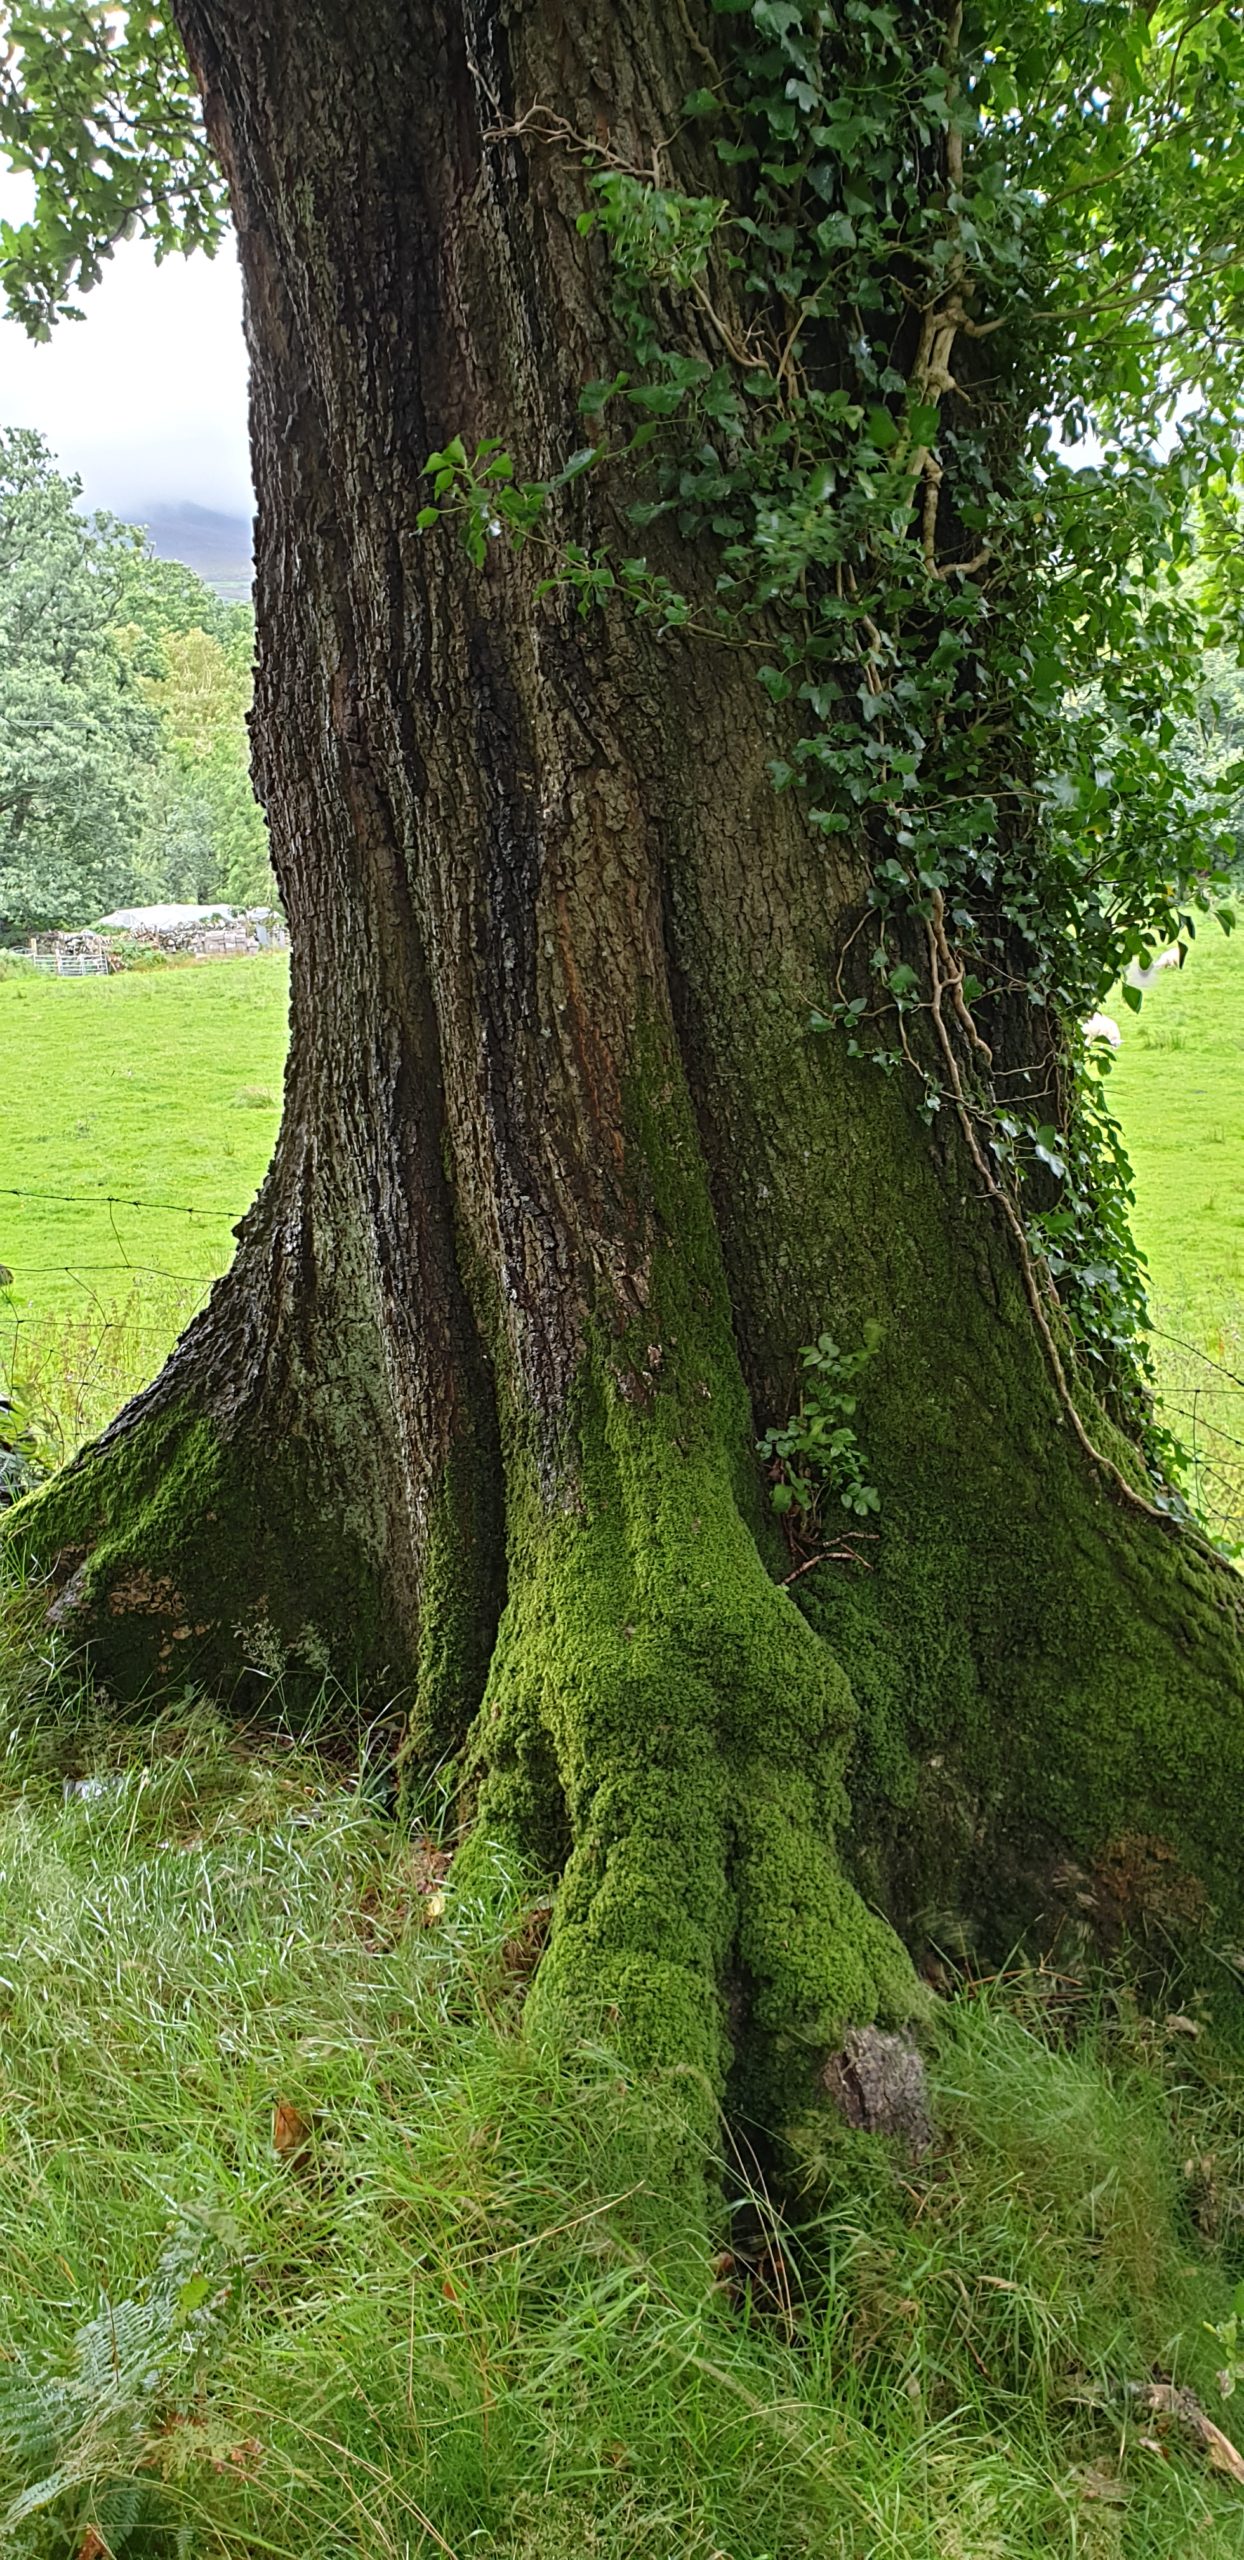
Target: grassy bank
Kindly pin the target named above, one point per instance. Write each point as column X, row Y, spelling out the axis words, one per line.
column 305, row 2249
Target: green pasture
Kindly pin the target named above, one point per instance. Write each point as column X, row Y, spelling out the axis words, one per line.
column 1177, row 1085
column 1178, row 1088
column 137, row 1116
column 159, row 1087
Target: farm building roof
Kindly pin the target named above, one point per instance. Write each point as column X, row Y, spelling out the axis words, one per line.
column 160, row 919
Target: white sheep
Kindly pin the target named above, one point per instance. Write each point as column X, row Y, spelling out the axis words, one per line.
column 1101, row 1027
column 1173, row 959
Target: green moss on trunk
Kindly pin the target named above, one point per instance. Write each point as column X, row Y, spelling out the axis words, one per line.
column 176, row 1553
column 460, row 1594
column 1037, row 1674
column 662, row 1724
column 1037, row 1667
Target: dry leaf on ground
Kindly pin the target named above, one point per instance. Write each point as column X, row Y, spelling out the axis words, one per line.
column 290, row 2131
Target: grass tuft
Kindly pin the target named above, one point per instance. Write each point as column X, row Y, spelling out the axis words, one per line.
column 72, row 1367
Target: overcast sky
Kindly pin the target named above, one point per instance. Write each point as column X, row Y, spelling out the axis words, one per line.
column 145, row 396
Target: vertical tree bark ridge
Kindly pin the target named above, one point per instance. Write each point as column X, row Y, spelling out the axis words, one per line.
column 564, row 1181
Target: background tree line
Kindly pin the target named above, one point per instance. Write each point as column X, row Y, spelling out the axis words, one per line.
column 124, row 687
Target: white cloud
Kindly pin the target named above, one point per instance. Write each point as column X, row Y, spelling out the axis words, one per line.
column 145, row 396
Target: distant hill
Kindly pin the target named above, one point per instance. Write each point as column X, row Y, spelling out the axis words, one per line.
column 217, row 546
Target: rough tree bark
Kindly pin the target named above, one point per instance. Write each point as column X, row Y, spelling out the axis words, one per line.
column 563, row 1180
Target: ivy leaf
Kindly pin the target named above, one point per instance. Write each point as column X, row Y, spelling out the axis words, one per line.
column 595, row 396
column 776, row 685
column 579, row 463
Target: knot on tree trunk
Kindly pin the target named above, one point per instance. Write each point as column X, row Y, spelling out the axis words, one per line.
column 878, row 2084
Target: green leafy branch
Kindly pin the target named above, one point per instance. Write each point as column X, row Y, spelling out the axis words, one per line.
column 1230, row 2336
column 816, row 1453
column 480, row 493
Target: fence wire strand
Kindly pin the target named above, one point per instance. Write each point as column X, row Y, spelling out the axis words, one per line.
column 115, row 1200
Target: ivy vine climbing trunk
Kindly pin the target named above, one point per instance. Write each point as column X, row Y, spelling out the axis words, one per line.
column 565, row 1179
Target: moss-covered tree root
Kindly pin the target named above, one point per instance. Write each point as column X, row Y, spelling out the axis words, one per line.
column 173, row 1553
column 184, row 1550
column 664, row 1728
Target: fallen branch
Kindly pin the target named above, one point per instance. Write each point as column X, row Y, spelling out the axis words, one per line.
column 1166, row 2400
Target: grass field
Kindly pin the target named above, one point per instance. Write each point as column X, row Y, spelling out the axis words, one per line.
column 126, row 1103
column 1178, row 1088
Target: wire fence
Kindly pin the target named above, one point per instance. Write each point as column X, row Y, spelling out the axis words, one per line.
column 119, row 1200
column 1202, row 1402
column 75, row 1364
column 80, row 1336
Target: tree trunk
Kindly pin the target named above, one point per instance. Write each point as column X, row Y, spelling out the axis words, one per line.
column 564, row 1179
